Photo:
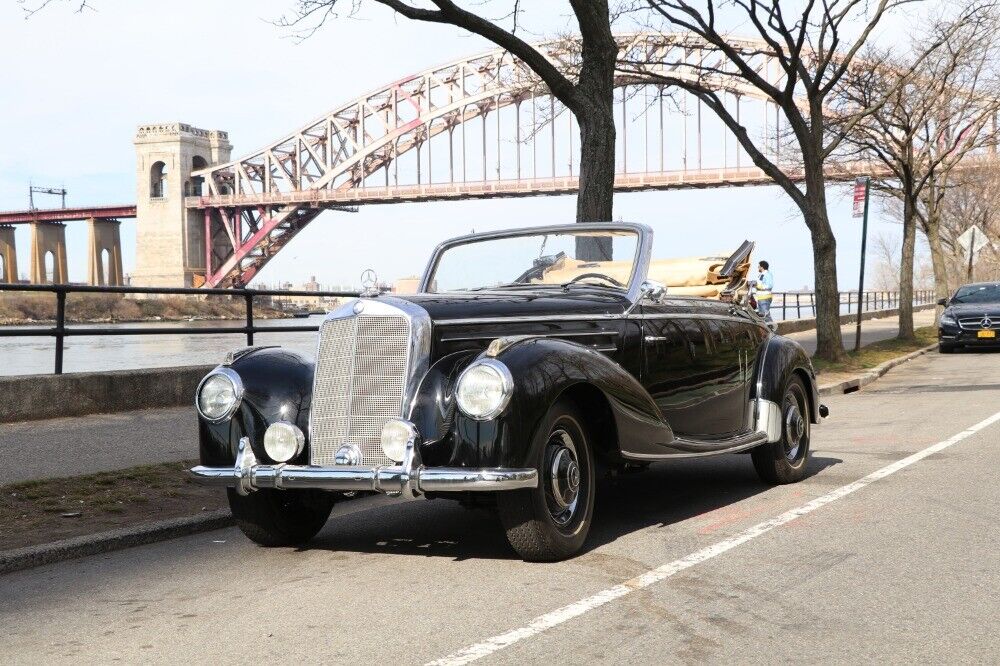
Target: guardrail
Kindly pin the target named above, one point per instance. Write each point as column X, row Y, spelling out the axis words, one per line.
column 60, row 331
column 797, row 301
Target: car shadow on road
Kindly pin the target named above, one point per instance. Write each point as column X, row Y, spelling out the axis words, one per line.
column 665, row 494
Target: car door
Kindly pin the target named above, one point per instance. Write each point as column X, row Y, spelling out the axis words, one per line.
column 691, row 368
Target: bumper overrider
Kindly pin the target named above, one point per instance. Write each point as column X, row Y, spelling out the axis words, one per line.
column 409, row 479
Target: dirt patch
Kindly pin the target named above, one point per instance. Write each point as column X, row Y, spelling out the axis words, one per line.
column 37, row 512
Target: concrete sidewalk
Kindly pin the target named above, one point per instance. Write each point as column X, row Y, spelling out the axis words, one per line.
column 103, row 442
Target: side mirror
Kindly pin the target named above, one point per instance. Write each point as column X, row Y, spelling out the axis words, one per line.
column 943, row 301
column 649, row 290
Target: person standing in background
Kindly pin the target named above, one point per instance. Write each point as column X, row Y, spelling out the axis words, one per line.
column 762, row 292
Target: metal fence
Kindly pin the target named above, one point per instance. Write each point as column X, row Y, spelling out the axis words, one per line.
column 785, row 302
column 798, row 302
column 60, row 331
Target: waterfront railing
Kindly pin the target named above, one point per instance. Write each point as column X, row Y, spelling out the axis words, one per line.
column 60, row 331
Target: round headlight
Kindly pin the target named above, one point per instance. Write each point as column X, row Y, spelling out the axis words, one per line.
column 484, row 389
column 283, row 441
column 218, row 395
column 396, row 434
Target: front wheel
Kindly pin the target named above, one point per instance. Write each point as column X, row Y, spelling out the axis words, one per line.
column 785, row 461
column 281, row 517
column 551, row 522
column 946, row 348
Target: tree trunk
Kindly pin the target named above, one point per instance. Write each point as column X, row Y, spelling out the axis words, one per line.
column 829, row 342
column 906, row 271
column 594, row 101
column 942, row 287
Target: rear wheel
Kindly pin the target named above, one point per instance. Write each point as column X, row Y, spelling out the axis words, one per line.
column 281, row 517
column 784, row 461
column 551, row 522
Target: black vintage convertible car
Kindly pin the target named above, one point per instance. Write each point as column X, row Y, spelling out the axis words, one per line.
column 971, row 317
column 528, row 361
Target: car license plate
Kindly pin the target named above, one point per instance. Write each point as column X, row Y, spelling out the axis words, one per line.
column 986, row 334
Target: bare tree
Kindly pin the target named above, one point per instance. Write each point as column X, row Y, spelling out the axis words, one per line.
column 587, row 90
column 927, row 121
column 813, row 54
column 969, row 198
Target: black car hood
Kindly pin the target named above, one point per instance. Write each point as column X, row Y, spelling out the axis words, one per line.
column 975, row 310
column 552, row 302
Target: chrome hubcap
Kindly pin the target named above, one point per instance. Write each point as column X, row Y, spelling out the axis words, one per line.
column 795, row 430
column 563, row 477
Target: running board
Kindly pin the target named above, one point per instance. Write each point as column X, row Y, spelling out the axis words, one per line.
column 689, row 448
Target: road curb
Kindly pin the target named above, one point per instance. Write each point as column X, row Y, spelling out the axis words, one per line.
column 103, row 542
column 868, row 376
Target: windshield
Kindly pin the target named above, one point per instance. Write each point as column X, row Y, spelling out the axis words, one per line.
column 978, row 293
column 605, row 258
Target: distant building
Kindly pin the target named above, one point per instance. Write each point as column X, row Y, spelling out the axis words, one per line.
column 407, row 285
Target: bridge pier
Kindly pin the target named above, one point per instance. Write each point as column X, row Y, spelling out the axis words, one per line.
column 8, row 255
column 48, row 237
column 105, row 237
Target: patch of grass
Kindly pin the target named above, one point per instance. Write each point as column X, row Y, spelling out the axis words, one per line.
column 34, row 512
column 878, row 353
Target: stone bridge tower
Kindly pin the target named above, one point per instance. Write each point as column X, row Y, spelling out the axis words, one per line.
column 170, row 239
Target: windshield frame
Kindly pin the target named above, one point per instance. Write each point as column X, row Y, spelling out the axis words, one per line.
column 643, row 249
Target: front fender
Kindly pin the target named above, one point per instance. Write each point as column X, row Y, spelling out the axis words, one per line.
column 277, row 386
column 544, row 369
column 779, row 359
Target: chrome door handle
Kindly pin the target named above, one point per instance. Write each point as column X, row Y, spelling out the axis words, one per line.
column 655, row 338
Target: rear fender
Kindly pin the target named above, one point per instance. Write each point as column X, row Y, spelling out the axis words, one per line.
column 780, row 359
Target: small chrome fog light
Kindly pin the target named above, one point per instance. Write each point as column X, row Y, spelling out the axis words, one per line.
column 396, row 434
column 283, row 441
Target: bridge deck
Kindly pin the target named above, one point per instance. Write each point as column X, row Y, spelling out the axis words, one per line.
column 66, row 214
column 624, row 182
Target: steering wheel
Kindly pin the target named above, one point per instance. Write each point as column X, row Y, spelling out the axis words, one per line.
column 599, row 276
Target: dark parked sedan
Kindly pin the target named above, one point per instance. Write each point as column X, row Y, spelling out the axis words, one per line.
column 971, row 317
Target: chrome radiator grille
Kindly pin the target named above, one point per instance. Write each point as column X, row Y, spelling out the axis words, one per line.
column 361, row 373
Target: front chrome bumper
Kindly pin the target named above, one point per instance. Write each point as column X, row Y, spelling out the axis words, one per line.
column 410, row 479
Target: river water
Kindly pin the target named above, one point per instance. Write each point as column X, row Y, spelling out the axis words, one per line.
column 36, row 355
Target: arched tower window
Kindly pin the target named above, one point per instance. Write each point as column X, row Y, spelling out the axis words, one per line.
column 197, row 163
column 158, row 180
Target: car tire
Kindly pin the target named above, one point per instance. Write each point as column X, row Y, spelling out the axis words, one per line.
column 281, row 517
column 551, row 522
column 785, row 461
column 946, row 349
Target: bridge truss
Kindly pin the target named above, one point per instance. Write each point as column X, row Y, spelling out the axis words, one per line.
column 484, row 126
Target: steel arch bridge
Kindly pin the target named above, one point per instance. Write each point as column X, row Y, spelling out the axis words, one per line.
column 479, row 127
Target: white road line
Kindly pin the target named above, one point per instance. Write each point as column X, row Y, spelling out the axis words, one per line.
column 545, row 622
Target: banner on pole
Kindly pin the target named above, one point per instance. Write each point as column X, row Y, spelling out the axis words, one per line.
column 860, row 194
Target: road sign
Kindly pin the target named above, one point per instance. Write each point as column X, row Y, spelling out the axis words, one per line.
column 973, row 238
column 860, row 196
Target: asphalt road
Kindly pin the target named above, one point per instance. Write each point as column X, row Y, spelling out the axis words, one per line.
column 872, row 330
column 38, row 449
column 900, row 567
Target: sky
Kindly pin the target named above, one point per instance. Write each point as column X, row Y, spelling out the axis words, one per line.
column 76, row 85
